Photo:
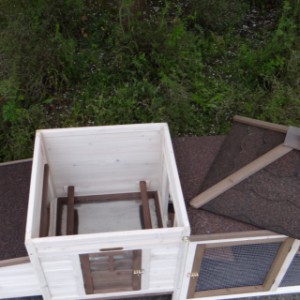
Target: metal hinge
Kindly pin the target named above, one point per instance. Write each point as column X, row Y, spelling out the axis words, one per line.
column 186, row 239
column 138, row 272
column 193, row 275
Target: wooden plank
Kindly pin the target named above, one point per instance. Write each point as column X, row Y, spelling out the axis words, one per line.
column 229, row 291
column 240, row 175
column 158, row 210
column 261, row 124
column 14, row 261
column 59, row 216
column 145, row 205
column 278, row 263
column 107, row 197
column 70, row 211
column 86, row 273
column 44, row 219
column 195, row 270
column 232, row 236
column 137, row 265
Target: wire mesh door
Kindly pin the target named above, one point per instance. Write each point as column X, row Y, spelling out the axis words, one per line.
column 235, row 267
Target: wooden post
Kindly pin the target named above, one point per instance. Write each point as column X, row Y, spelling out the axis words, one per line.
column 145, row 205
column 44, row 220
column 284, row 258
column 70, row 213
column 240, row 175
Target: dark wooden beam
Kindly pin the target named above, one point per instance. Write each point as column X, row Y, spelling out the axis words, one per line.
column 145, row 205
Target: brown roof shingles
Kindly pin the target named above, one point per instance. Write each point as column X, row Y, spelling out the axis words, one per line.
column 268, row 199
column 14, row 191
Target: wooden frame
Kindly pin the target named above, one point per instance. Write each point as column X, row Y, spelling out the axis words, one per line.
column 238, row 176
column 261, row 124
column 44, row 217
column 274, row 272
column 70, row 211
column 145, row 206
column 90, row 277
column 71, row 200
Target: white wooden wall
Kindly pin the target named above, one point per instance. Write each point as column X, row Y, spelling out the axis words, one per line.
column 59, row 258
column 18, row 281
column 102, row 160
column 36, row 188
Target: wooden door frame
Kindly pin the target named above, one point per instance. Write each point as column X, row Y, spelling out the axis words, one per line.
column 277, row 270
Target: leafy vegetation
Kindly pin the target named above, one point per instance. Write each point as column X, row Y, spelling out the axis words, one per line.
column 193, row 64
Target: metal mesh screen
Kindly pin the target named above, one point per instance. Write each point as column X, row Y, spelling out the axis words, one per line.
column 236, row 266
column 292, row 276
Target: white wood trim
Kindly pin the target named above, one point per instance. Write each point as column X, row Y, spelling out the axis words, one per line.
column 180, row 276
column 240, row 175
column 174, row 182
column 288, row 260
column 146, row 254
column 35, row 261
column 279, row 291
column 78, row 275
column 240, row 239
column 96, row 130
column 113, row 296
column 186, row 271
column 34, row 204
column 120, row 237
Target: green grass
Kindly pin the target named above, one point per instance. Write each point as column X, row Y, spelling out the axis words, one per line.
column 193, row 64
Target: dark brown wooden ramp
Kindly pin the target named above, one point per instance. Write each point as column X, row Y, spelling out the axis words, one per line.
column 14, row 191
column 270, row 198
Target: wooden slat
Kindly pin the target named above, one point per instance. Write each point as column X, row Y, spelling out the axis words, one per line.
column 70, row 211
column 261, row 124
column 158, row 211
column 86, row 272
column 244, row 235
column 44, row 221
column 240, row 175
column 229, row 291
column 137, row 265
column 14, row 261
column 278, row 262
column 107, row 197
column 59, row 211
column 195, row 269
column 145, row 205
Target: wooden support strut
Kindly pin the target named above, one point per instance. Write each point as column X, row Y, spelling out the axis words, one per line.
column 145, row 205
column 261, row 124
column 240, row 175
column 70, row 212
column 44, row 221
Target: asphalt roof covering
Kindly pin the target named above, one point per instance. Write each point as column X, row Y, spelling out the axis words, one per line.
column 268, row 199
column 14, row 191
column 194, row 156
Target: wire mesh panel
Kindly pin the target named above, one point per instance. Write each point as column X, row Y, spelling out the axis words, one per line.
column 235, row 266
column 292, row 276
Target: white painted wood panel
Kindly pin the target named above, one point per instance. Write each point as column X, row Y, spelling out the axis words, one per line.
column 103, row 130
column 174, row 182
column 18, row 280
column 93, row 242
column 36, row 186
